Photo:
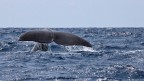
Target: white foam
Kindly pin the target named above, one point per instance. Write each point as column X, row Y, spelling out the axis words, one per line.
column 102, row 79
column 134, row 51
column 79, row 48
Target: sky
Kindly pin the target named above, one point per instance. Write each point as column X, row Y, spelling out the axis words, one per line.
column 71, row 13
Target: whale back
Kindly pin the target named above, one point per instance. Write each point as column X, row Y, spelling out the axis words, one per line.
column 37, row 36
column 69, row 39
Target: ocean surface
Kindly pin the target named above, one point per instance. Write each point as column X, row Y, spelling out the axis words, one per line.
column 117, row 55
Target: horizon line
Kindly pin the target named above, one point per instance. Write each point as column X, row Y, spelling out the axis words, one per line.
column 77, row 27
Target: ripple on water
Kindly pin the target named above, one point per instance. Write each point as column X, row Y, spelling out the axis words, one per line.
column 117, row 55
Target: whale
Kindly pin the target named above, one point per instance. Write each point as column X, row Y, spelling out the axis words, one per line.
column 49, row 36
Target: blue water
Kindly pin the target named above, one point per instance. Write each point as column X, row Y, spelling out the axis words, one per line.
column 117, row 55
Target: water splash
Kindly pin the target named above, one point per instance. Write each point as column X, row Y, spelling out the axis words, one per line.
column 40, row 46
column 79, row 48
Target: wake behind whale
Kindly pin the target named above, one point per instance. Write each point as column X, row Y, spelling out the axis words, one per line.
column 43, row 38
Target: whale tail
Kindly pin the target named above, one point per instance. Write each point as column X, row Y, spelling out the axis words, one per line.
column 53, row 36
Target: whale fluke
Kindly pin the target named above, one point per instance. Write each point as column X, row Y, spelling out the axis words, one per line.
column 49, row 36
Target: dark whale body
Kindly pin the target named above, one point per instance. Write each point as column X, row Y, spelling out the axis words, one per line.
column 49, row 36
column 44, row 37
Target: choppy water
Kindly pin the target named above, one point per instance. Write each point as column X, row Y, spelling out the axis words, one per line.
column 117, row 55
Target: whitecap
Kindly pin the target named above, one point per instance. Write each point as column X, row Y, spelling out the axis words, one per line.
column 79, row 48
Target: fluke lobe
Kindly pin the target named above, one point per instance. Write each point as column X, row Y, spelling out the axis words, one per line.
column 48, row 36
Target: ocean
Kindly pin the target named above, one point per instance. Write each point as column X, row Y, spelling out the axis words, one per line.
column 117, row 55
